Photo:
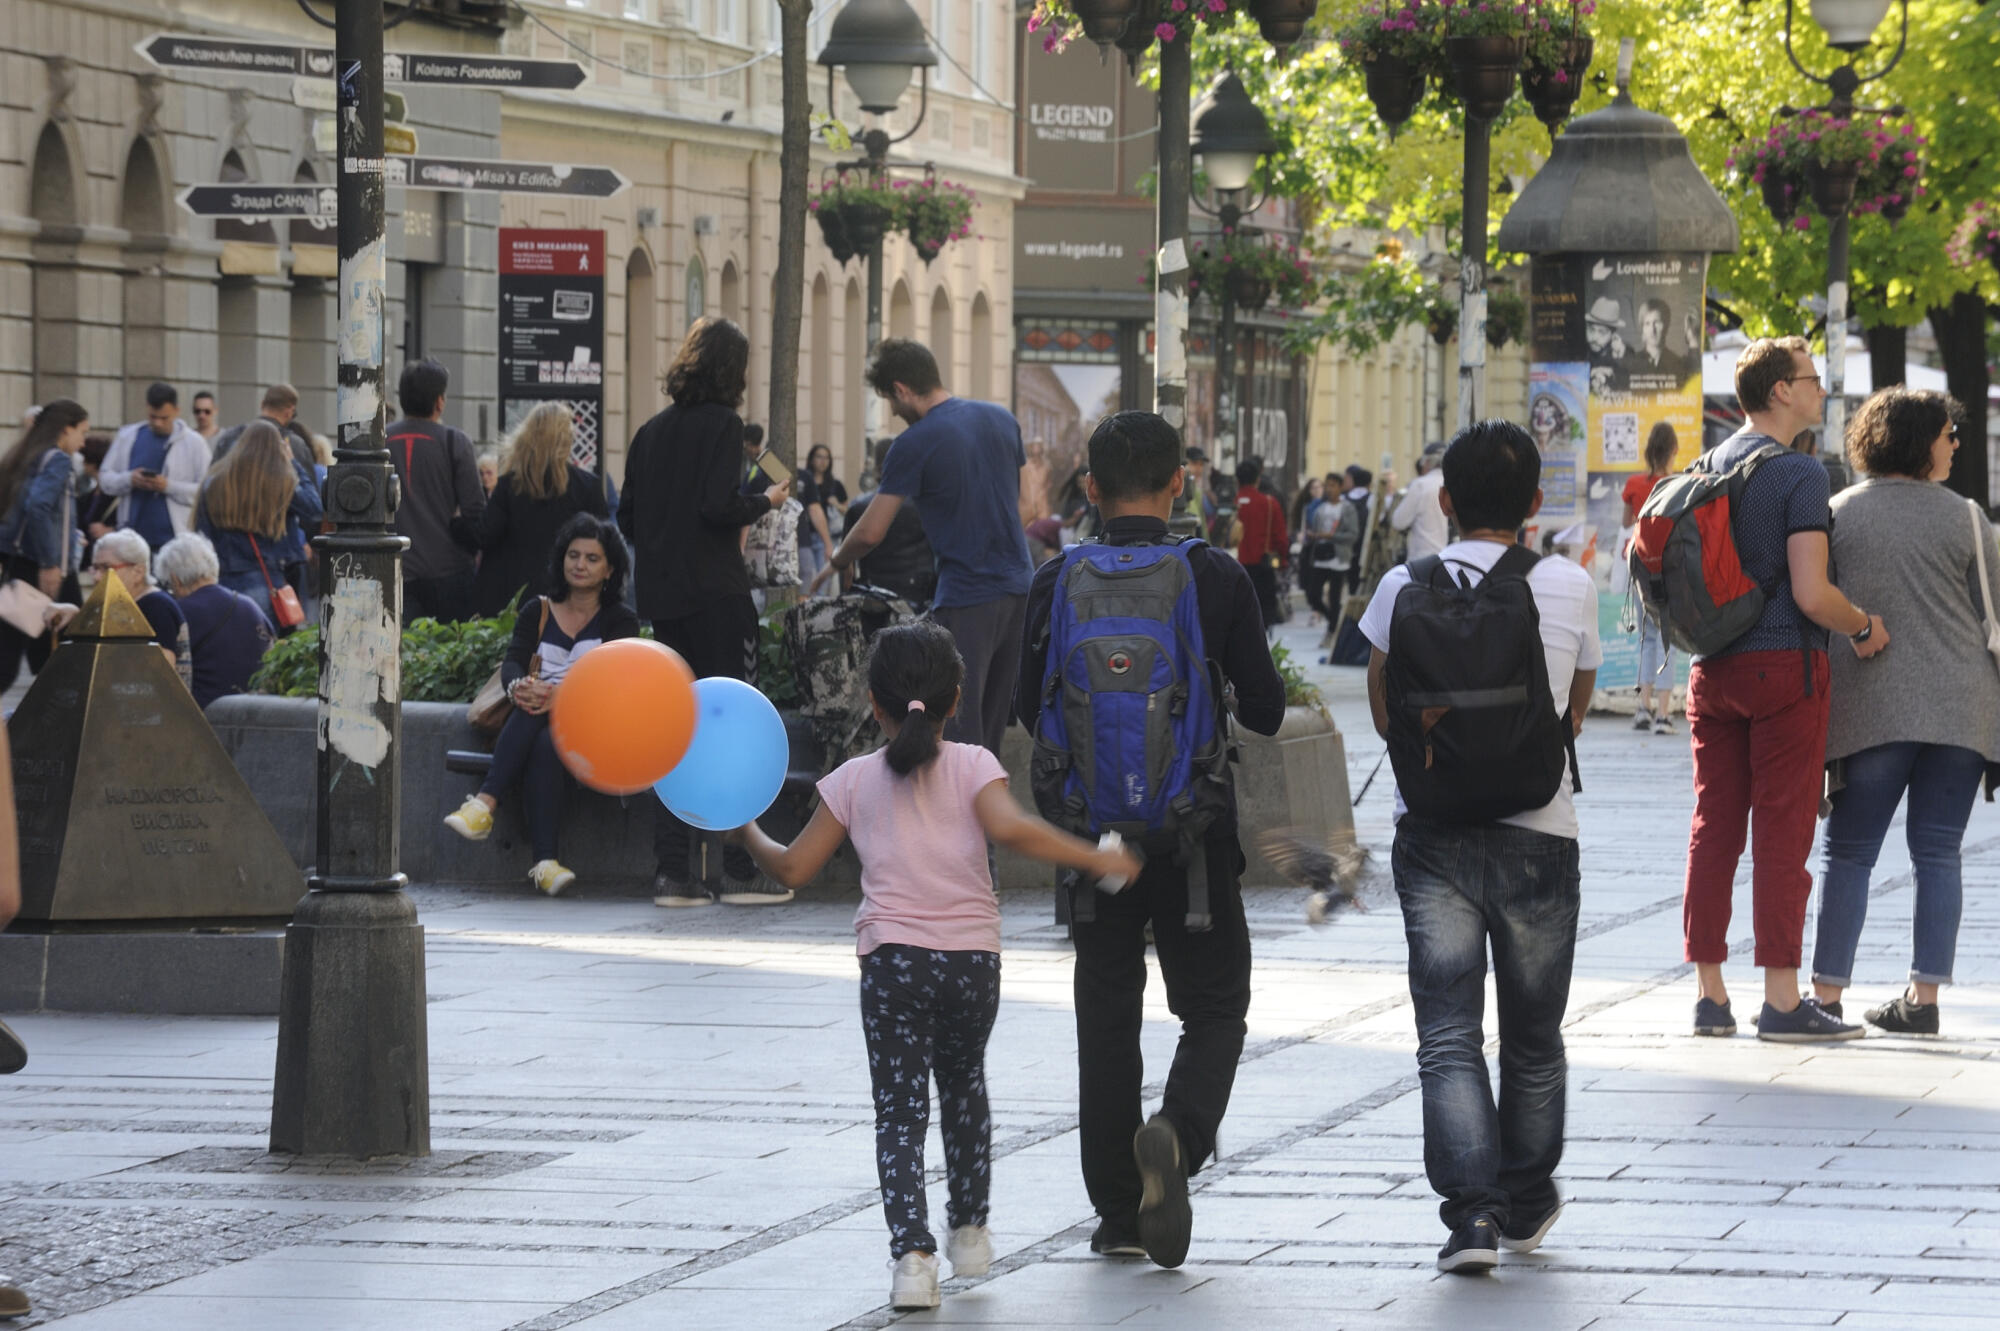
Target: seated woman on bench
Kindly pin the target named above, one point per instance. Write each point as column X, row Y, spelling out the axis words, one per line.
column 589, row 565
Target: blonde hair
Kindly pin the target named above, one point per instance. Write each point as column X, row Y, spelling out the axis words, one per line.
column 251, row 489
column 538, row 452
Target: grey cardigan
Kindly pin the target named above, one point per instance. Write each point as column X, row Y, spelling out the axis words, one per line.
column 1902, row 549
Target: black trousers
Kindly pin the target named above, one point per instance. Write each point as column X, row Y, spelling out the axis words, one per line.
column 718, row 639
column 989, row 639
column 523, row 755
column 447, row 600
column 1208, row 988
column 1264, row 578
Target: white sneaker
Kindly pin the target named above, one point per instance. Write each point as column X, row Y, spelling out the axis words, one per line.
column 915, row 1282
column 971, row 1250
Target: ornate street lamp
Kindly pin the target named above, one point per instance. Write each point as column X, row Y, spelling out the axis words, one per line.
column 1849, row 26
column 880, row 44
column 1230, row 136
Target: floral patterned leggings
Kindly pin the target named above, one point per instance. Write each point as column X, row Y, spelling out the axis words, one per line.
column 923, row 1010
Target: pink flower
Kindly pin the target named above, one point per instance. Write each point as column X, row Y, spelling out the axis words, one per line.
column 1179, row 6
column 1802, row 223
column 1911, row 172
column 1218, row 6
column 1165, row 31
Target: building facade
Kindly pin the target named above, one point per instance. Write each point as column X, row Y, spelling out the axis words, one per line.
column 685, row 100
column 110, row 285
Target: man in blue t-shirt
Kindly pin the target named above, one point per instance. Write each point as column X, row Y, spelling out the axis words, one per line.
column 1757, row 709
column 960, row 463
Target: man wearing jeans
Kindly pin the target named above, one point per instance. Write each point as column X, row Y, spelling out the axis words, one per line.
column 1757, row 709
column 1512, row 883
column 960, row 463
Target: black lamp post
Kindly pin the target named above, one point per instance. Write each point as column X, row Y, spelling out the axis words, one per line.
column 879, row 44
column 1849, row 26
column 1230, row 136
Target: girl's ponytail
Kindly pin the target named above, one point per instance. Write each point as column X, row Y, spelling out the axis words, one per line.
column 914, row 673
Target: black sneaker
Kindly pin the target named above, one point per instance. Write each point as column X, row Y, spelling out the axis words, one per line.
column 1832, row 1009
column 1525, row 1233
column 1713, row 1018
column 758, row 891
column 1117, row 1238
column 1474, row 1248
column 674, row 892
column 1166, row 1222
column 1905, row 1017
column 1808, row 1023
column 14, row 1054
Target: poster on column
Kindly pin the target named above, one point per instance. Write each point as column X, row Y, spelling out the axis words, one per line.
column 552, row 331
column 1616, row 358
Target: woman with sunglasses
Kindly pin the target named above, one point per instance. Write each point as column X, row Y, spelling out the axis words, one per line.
column 1923, row 719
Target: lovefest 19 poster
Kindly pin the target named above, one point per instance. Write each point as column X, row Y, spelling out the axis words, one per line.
column 1615, row 344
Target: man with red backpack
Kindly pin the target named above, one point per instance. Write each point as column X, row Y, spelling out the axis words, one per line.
column 1740, row 541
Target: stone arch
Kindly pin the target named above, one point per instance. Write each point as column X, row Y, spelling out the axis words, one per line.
column 55, row 335
column 980, row 382
column 55, row 190
column 142, row 195
column 944, row 336
column 146, row 217
column 730, row 292
column 819, row 414
column 696, row 288
column 854, row 393
column 902, row 311
column 642, row 345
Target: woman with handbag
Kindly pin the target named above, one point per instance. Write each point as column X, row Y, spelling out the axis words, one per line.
column 1923, row 716
column 588, row 566
column 539, row 490
column 255, row 507
column 37, row 529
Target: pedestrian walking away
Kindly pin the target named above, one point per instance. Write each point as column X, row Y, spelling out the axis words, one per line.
column 1136, row 1169
column 1656, row 656
column 258, row 507
column 1262, row 546
column 683, row 511
column 587, row 569
column 38, row 533
column 920, row 811
column 442, row 498
column 959, row 462
column 1757, row 708
column 1418, row 512
column 1921, row 720
column 1482, row 662
column 154, row 468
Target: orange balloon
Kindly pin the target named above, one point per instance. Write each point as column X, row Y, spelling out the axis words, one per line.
column 623, row 715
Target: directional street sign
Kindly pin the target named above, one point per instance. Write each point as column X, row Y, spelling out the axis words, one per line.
column 585, row 182
column 259, row 201
column 170, row 51
column 319, row 95
column 399, row 140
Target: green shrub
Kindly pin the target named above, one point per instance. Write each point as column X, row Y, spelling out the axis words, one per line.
column 1299, row 691
column 441, row 662
column 775, row 673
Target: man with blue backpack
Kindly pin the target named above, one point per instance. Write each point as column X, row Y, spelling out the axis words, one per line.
column 1131, row 641
column 1484, row 657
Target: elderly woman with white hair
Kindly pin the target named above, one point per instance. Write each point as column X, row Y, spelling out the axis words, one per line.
column 228, row 632
column 124, row 554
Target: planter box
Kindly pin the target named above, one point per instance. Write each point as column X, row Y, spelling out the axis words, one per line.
column 1297, row 778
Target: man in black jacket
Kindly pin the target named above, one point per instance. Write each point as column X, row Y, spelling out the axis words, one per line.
column 1137, row 1175
column 683, row 513
column 442, row 498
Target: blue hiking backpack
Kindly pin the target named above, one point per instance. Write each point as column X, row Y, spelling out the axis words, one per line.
column 1132, row 736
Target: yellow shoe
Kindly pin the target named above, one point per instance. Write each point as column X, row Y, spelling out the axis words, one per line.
column 473, row 821
column 550, row 877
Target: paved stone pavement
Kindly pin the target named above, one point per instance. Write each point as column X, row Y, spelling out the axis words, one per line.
column 653, row 1119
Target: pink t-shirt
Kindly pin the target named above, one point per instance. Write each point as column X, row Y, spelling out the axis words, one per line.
column 924, row 880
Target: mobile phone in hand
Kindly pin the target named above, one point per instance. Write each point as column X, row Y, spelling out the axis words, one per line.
column 774, row 467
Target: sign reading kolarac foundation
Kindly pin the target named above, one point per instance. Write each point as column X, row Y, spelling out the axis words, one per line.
column 129, row 808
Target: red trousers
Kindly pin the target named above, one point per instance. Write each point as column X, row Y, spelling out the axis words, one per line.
column 1759, row 746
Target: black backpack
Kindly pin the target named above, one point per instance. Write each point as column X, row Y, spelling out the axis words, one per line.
column 1473, row 730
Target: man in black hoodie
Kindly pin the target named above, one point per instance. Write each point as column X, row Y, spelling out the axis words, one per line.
column 442, row 498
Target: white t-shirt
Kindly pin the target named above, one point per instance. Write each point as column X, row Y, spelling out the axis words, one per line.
column 1419, row 514
column 1566, row 600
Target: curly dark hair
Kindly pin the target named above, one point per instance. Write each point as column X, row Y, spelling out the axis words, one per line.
column 712, row 365
column 617, row 559
column 1892, row 433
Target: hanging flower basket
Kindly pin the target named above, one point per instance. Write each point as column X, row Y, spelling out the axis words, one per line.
column 1104, row 21
column 1506, row 317
column 854, row 216
column 1134, row 25
column 1395, row 85
column 1859, row 166
column 1781, row 196
column 1442, row 322
column 1250, row 270
column 1553, row 87
column 1395, row 44
column 1832, row 185
column 933, row 213
column 1282, row 22
column 1483, row 72
column 1977, row 235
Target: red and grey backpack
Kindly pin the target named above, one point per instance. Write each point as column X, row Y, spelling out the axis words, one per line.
column 1685, row 567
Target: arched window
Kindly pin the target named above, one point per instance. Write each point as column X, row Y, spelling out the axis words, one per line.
column 980, row 384
column 944, row 341
column 697, row 289
column 642, row 347
column 854, row 393
column 55, row 338
column 819, row 416
column 902, row 311
column 731, row 293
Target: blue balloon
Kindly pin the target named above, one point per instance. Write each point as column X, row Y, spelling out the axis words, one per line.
column 736, row 765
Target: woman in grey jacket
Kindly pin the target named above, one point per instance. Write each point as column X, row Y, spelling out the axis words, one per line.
column 1924, row 717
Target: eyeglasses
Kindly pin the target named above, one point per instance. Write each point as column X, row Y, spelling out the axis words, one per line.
column 1800, row 378
column 204, row 411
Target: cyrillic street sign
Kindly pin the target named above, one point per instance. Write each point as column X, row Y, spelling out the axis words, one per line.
column 586, row 182
column 400, row 140
column 168, row 50
column 260, row 201
column 322, row 95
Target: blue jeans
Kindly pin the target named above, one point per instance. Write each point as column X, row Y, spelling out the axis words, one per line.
column 1656, row 658
column 812, row 558
column 1942, row 780
column 252, row 585
column 1463, row 887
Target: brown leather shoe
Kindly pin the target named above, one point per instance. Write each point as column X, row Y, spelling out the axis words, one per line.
column 13, row 1303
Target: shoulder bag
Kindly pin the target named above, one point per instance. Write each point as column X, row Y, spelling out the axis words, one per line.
column 490, row 707
column 1985, row 587
column 285, row 607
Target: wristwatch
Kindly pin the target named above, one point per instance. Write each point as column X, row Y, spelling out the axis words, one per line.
column 1867, row 628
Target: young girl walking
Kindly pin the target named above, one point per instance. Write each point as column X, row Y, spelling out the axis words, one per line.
column 920, row 813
